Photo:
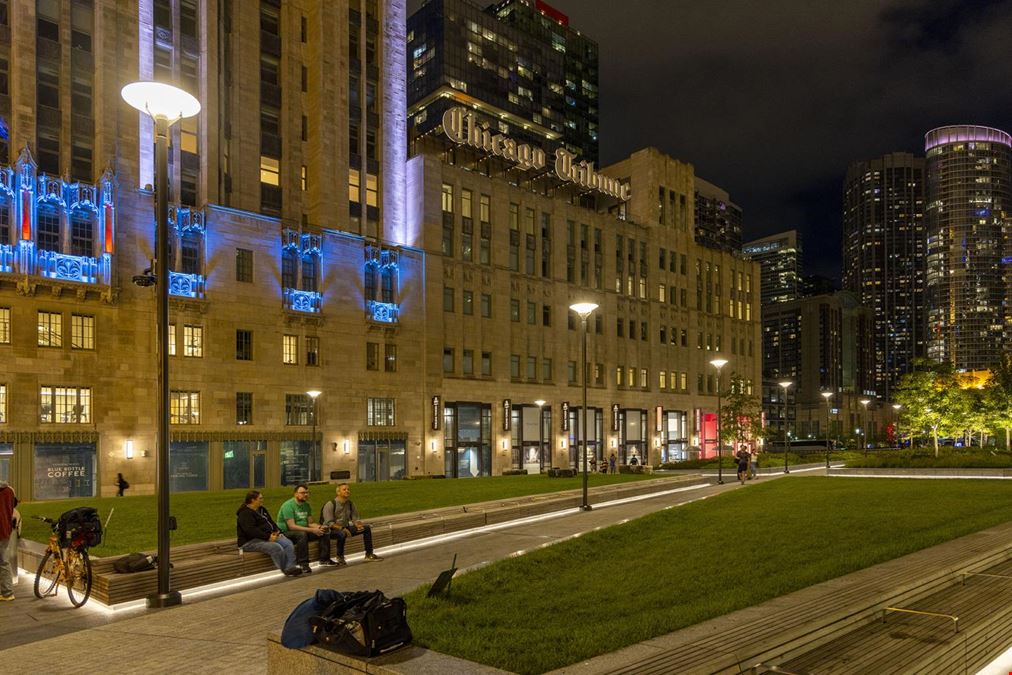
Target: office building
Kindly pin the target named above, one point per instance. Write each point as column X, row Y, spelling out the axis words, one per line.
column 779, row 256
column 517, row 64
column 884, row 258
column 718, row 219
column 969, row 198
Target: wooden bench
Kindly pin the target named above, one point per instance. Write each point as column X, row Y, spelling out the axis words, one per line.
column 195, row 565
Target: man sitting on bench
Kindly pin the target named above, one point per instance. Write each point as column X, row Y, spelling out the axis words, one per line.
column 341, row 516
column 295, row 518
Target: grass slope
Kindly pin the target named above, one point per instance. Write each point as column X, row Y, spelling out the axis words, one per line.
column 672, row 569
column 210, row 516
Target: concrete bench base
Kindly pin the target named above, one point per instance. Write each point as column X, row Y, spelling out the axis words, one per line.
column 314, row 660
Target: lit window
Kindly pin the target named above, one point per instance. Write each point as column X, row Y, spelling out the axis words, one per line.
column 304, row 177
column 5, row 325
column 354, row 184
column 193, row 341
column 380, row 412
column 82, row 331
column 65, row 405
column 184, row 407
column 447, row 198
column 371, row 190
column 172, row 339
column 3, row 403
column 50, row 329
column 270, row 171
column 290, row 349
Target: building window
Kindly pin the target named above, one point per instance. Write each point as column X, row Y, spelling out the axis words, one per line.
column 643, row 378
column 50, row 329
column 546, row 315
column 47, row 228
column 532, row 313
column 270, row 171
column 244, row 265
column 448, row 360
column 372, row 356
column 184, row 407
column 244, row 345
column 532, row 368
column 65, row 405
column 3, row 403
column 312, row 350
column 290, row 349
column 514, row 309
column 5, row 325
column 172, row 339
column 546, row 370
column 193, row 341
column 81, row 235
column 82, row 331
column 515, row 366
column 447, row 299
column 298, row 410
column 244, row 407
column 390, row 358
column 486, row 306
column 467, row 362
column 380, row 412
column 468, row 303
column 571, row 372
column 486, row 364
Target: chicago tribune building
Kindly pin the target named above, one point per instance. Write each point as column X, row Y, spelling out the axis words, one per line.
column 426, row 297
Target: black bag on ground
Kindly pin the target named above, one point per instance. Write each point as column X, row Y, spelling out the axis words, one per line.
column 135, row 562
column 363, row 624
column 81, row 524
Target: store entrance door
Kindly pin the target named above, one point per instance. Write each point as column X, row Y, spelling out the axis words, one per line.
column 380, row 460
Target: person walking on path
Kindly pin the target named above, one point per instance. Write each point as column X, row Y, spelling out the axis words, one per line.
column 256, row 531
column 743, row 458
column 121, row 484
column 611, row 463
column 295, row 518
column 340, row 515
column 8, row 500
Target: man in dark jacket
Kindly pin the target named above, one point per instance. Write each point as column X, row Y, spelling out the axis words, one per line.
column 256, row 531
column 7, row 503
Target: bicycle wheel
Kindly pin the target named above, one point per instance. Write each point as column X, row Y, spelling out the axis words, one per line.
column 47, row 576
column 78, row 576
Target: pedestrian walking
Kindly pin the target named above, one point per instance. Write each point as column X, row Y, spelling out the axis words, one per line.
column 754, row 464
column 121, row 484
column 611, row 463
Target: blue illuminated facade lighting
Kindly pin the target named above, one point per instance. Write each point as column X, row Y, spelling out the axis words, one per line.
column 303, row 301
column 384, row 312
column 186, row 285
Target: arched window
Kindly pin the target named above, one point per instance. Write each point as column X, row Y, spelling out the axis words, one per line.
column 47, row 231
column 82, row 234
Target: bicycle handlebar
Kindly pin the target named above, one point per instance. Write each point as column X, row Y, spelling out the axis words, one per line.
column 45, row 520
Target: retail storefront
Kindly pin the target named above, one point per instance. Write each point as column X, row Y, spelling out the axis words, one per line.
column 674, row 436
column 633, row 436
column 467, row 439
column 382, row 456
column 532, row 447
column 595, row 444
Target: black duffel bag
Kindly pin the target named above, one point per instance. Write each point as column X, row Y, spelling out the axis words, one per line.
column 80, row 527
column 366, row 623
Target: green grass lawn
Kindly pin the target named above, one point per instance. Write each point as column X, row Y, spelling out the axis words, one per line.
column 924, row 457
column 625, row 584
column 210, row 516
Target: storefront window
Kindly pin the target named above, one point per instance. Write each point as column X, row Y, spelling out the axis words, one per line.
column 187, row 466
column 300, row 462
column 64, row 470
column 6, row 456
column 236, row 462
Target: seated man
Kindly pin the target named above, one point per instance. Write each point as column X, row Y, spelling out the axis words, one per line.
column 255, row 531
column 295, row 518
column 341, row 516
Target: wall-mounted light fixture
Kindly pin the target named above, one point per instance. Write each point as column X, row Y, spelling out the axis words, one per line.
column 562, row 444
column 333, row 446
column 505, row 444
column 128, row 449
column 614, row 443
column 347, row 446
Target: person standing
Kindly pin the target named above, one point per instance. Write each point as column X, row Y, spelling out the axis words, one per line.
column 754, row 463
column 255, row 531
column 340, row 515
column 295, row 518
column 611, row 463
column 8, row 500
column 121, row 484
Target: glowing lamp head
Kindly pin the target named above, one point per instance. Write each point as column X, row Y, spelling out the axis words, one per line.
column 785, row 384
column 718, row 363
column 584, row 309
column 160, row 100
column 313, row 393
column 540, row 403
column 865, row 402
column 827, row 395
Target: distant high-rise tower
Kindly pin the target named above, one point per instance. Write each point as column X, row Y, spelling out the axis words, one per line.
column 718, row 219
column 884, row 257
column 969, row 198
column 517, row 64
column 779, row 255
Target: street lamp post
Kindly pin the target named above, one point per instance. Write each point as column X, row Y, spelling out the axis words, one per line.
column 313, row 393
column 864, row 432
column 541, row 433
column 899, row 438
column 165, row 105
column 785, row 385
column 718, row 364
column 584, row 310
column 828, row 395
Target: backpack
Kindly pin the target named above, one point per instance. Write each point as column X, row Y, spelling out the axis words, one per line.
column 135, row 562
column 363, row 624
column 80, row 527
column 332, row 501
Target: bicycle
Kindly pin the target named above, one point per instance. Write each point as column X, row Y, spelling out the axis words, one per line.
column 68, row 564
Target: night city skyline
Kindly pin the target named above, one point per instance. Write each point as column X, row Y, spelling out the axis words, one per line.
column 772, row 102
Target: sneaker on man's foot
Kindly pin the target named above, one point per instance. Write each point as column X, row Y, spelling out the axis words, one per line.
column 340, row 562
column 6, row 598
column 292, row 572
column 328, row 562
column 306, row 569
column 372, row 556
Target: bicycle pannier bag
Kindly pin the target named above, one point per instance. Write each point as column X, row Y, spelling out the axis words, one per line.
column 82, row 522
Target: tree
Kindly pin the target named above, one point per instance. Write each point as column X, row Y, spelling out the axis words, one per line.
column 998, row 399
column 741, row 413
column 931, row 399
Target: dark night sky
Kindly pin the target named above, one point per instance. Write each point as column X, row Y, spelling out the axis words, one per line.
column 772, row 100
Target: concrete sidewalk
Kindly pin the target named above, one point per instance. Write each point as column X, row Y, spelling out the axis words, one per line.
column 227, row 633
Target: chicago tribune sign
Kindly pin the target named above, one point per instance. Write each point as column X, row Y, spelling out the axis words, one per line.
column 461, row 127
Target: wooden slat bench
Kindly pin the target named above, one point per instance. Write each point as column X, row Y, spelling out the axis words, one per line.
column 195, row 565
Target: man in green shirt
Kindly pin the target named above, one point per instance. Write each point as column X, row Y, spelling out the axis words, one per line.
column 295, row 519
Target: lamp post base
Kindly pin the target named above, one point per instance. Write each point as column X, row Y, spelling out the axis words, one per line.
column 170, row 599
column 720, row 482
column 586, row 507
